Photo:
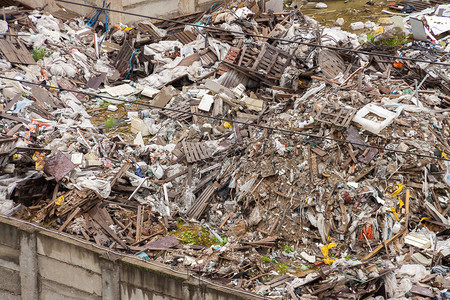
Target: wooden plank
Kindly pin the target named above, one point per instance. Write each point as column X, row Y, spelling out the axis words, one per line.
column 100, row 221
column 11, row 103
column 202, row 202
column 385, row 243
column 195, row 152
column 16, row 52
column 187, row 152
column 122, row 61
column 139, row 223
column 69, row 219
column 201, row 151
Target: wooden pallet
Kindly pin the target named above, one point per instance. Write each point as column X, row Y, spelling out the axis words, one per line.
column 341, row 116
column 183, row 113
column 122, row 61
column 195, row 152
column 248, row 57
column 16, row 52
column 220, row 35
column 271, row 62
column 202, row 202
column 7, row 149
column 185, row 37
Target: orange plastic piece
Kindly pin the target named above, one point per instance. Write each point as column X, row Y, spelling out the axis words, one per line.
column 397, row 64
column 367, row 231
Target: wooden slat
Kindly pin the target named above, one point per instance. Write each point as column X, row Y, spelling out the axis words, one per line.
column 186, row 107
column 122, row 61
column 16, row 52
column 148, row 30
column 202, row 202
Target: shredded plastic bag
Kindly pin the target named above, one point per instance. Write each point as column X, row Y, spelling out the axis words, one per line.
column 102, row 187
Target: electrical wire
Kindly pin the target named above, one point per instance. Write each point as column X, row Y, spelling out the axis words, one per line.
column 131, row 63
column 282, row 130
column 260, row 36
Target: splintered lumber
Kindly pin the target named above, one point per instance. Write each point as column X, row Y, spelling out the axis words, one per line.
column 384, row 244
column 119, row 174
column 435, row 213
column 202, row 202
column 139, row 221
column 69, row 219
column 266, row 242
column 99, row 218
column 408, row 195
column 225, row 220
column 16, row 52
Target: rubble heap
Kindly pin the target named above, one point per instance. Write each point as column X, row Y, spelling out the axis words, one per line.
column 249, row 150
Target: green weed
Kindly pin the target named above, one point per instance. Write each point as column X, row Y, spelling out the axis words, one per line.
column 200, row 236
column 38, row 53
column 288, row 249
column 282, row 268
column 105, row 104
column 398, row 39
column 188, row 237
column 265, row 259
column 370, row 37
column 110, row 122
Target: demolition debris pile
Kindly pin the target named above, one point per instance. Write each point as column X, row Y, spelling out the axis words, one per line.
column 256, row 149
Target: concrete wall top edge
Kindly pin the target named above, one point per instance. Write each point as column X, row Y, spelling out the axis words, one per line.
column 125, row 261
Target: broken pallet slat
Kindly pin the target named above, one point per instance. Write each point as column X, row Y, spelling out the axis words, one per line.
column 184, row 115
column 7, row 149
column 148, row 30
column 340, row 116
column 202, row 202
column 122, row 61
column 16, row 52
column 69, row 219
column 185, row 37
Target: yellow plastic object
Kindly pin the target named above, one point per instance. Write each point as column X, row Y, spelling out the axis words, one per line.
column 443, row 154
column 327, row 247
column 325, row 252
column 423, row 219
column 52, row 87
column 399, row 190
column 38, row 158
column 400, row 203
column 227, row 125
column 60, row 200
column 329, row 261
column 379, row 30
column 395, row 214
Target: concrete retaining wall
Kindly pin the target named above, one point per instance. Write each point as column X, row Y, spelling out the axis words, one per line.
column 40, row 264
